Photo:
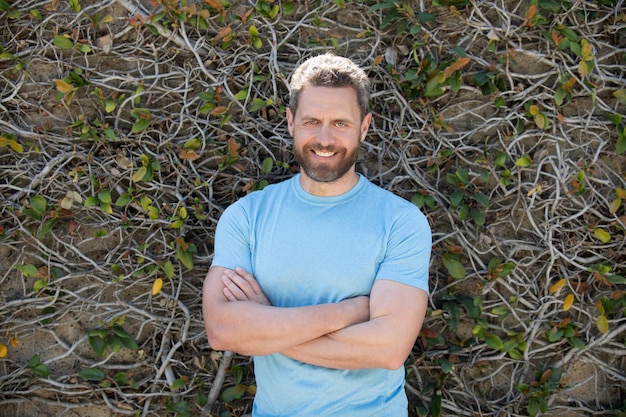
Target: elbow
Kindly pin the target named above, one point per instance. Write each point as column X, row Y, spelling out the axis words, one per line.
column 393, row 363
column 393, row 359
column 216, row 343
column 217, row 338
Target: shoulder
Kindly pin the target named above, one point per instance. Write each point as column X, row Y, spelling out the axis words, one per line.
column 380, row 196
column 261, row 198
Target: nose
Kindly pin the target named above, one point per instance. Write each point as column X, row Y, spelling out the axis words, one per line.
column 324, row 136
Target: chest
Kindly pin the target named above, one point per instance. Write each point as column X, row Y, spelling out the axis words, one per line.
column 318, row 255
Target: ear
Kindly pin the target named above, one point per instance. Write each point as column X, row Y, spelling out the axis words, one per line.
column 365, row 125
column 289, row 121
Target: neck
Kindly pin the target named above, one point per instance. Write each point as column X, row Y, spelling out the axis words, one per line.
column 329, row 189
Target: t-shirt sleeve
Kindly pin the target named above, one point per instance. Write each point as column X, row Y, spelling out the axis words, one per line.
column 232, row 239
column 407, row 258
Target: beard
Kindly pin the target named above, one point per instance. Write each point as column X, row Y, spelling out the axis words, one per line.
column 326, row 171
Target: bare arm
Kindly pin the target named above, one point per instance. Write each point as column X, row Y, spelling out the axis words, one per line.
column 251, row 326
column 397, row 312
column 396, row 315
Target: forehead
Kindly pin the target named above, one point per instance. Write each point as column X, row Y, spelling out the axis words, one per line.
column 341, row 102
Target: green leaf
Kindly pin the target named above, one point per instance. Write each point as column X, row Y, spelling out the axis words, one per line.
column 168, row 268
column 91, row 374
column 620, row 95
column 478, row 216
column 91, row 201
column 33, row 361
column 126, row 340
column 202, row 399
column 29, row 270
column 181, row 408
column 114, row 343
column 268, row 164
column 456, row 198
column 523, row 161
column 433, row 87
column 178, row 384
column 577, row 342
column 453, row 265
column 97, row 344
column 41, row 370
column 231, row 394
column 84, row 48
column 481, row 199
column 435, row 405
column 123, row 200
column 62, row 42
column 47, row 227
column 494, row 341
column 39, row 205
column 104, row 196
column 447, row 366
column 533, row 406
column 39, row 285
column 554, row 334
column 185, row 257
column 140, row 125
column 289, row 8
column 616, row 279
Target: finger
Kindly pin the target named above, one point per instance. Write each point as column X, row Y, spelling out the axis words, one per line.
column 256, row 288
column 246, row 282
column 228, row 294
column 234, row 288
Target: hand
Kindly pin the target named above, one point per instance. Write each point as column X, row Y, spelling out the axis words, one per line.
column 240, row 285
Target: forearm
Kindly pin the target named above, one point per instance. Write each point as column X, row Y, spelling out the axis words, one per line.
column 253, row 329
column 361, row 346
column 234, row 322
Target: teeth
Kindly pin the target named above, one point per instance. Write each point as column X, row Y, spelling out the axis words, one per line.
column 324, row 154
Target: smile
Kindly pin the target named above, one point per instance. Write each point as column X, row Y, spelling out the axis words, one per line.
column 324, row 154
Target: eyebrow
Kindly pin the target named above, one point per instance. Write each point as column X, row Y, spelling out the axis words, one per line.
column 335, row 120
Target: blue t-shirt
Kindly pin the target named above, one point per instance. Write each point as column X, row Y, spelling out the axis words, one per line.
column 307, row 250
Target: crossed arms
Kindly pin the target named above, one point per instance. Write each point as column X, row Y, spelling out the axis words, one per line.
column 356, row 333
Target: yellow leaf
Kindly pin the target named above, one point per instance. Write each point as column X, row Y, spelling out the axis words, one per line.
column 67, row 201
column 541, row 121
column 3, row 351
column 139, row 174
column 534, row 190
column 583, row 69
column 586, row 49
column 560, row 284
column 15, row 146
column 63, row 87
column 602, row 235
column 615, row 205
column 569, row 300
column 533, row 110
column 602, row 323
column 157, row 285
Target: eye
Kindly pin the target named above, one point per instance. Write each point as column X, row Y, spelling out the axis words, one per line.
column 341, row 124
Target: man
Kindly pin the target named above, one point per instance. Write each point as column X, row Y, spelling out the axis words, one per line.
column 323, row 278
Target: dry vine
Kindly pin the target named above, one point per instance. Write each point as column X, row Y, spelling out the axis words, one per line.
column 158, row 104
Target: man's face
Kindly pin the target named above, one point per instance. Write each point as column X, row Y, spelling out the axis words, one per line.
column 327, row 131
